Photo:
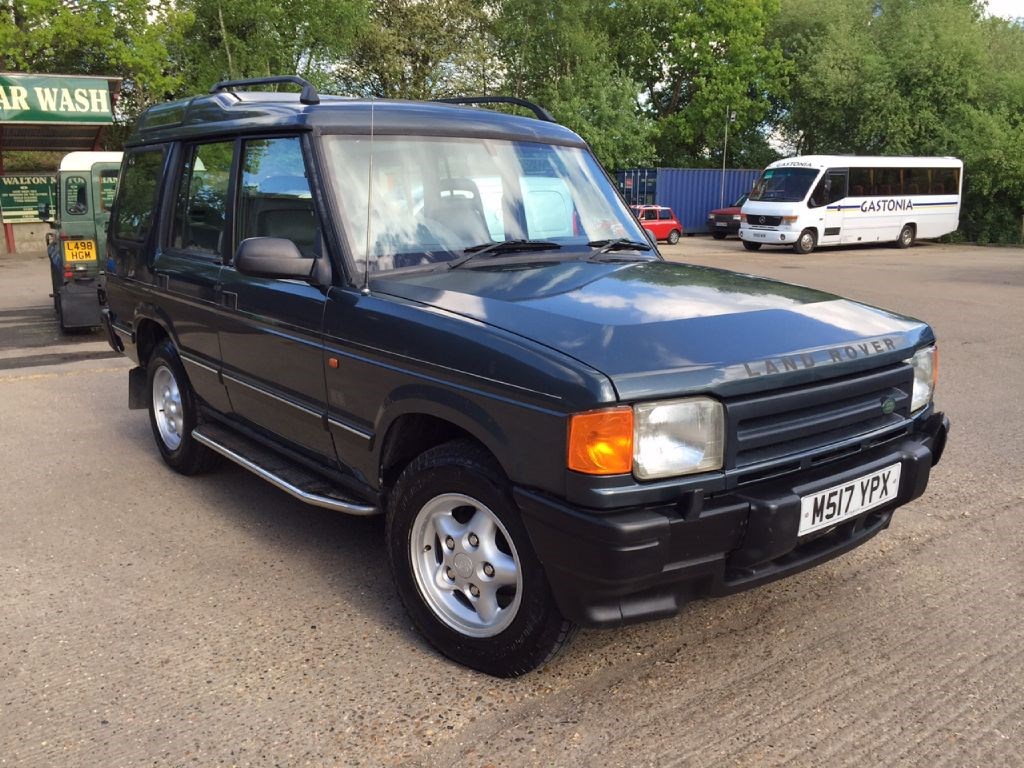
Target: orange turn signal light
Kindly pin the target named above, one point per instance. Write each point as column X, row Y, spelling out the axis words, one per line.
column 601, row 442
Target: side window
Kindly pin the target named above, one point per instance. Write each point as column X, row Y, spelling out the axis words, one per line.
column 274, row 198
column 76, row 195
column 860, row 181
column 665, row 213
column 200, row 211
column 837, row 188
column 650, row 215
column 136, row 196
column 108, row 188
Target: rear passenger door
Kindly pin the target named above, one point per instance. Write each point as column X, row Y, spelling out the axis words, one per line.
column 271, row 334
column 187, row 268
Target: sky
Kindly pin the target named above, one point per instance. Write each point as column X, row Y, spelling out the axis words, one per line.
column 1008, row 9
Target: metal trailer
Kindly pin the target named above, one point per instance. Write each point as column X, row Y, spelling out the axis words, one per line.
column 689, row 192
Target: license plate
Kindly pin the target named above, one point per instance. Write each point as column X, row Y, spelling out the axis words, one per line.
column 720, row 224
column 762, row 235
column 842, row 502
column 79, row 250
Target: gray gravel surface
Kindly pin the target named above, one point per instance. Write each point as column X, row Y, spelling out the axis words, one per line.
column 152, row 619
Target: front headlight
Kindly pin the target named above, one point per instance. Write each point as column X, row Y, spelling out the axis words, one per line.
column 677, row 437
column 736, row 217
column 926, row 373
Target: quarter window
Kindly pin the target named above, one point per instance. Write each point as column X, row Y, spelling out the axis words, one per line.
column 200, row 211
column 136, row 196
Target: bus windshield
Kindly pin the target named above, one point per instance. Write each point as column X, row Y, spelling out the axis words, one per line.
column 788, row 185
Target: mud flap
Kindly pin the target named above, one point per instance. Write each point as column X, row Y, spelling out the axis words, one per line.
column 137, row 399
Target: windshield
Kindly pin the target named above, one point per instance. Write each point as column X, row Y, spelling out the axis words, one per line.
column 784, row 184
column 427, row 200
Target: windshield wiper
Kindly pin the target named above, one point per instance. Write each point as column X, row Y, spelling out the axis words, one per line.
column 616, row 244
column 503, row 246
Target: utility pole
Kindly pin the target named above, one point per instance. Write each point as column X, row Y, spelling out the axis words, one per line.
column 730, row 116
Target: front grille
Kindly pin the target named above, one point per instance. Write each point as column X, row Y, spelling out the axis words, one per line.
column 756, row 220
column 724, row 217
column 816, row 422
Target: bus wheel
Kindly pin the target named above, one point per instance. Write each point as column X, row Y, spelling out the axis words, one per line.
column 751, row 246
column 906, row 238
column 807, row 241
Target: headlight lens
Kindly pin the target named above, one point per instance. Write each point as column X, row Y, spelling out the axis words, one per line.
column 677, row 437
column 736, row 217
column 926, row 372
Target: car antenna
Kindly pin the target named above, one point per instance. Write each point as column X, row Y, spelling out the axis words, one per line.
column 369, row 214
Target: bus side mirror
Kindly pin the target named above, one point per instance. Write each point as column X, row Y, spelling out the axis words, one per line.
column 44, row 211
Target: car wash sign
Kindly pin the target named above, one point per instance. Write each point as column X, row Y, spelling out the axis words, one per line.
column 54, row 99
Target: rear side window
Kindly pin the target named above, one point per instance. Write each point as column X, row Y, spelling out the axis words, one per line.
column 664, row 213
column 76, row 195
column 200, row 211
column 108, row 188
column 136, row 197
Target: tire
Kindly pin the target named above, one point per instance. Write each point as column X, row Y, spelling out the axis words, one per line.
column 718, row 235
column 173, row 414
column 450, row 515
column 751, row 246
column 906, row 238
column 673, row 237
column 806, row 243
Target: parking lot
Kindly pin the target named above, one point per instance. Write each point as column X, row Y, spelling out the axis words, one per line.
column 151, row 619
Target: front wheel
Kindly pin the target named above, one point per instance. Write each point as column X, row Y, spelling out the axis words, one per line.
column 718, row 235
column 464, row 566
column 673, row 237
column 906, row 238
column 173, row 414
column 807, row 242
column 751, row 246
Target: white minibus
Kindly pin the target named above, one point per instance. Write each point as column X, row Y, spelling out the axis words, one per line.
column 815, row 200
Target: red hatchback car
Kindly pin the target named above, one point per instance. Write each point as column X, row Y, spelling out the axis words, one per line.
column 659, row 221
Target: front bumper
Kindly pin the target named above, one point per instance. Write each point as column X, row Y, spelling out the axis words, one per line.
column 768, row 236
column 644, row 563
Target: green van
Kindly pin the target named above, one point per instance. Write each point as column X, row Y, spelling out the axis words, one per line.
column 86, row 184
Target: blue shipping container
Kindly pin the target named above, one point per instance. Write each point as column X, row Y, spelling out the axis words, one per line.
column 690, row 192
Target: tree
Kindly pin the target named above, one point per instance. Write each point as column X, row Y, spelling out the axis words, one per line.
column 697, row 62
column 127, row 39
column 411, row 49
column 559, row 54
column 233, row 39
column 920, row 77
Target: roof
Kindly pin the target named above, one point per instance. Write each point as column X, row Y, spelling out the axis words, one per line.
column 843, row 161
column 232, row 112
column 83, row 161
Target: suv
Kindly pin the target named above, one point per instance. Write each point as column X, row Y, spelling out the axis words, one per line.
column 446, row 315
column 660, row 221
column 86, row 183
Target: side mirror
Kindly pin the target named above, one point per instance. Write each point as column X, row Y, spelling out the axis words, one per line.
column 44, row 211
column 275, row 257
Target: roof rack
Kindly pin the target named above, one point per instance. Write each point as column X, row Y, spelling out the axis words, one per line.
column 309, row 93
column 539, row 111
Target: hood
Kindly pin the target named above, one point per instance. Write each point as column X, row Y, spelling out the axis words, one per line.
column 657, row 328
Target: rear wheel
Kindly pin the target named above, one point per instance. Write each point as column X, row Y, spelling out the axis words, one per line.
column 173, row 414
column 673, row 236
column 906, row 238
column 807, row 242
column 464, row 565
column 751, row 246
column 718, row 235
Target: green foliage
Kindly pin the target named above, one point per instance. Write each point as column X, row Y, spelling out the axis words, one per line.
column 919, row 77
column 697, row 62
column 560, row 55
column 232, row 39
column 416, row 50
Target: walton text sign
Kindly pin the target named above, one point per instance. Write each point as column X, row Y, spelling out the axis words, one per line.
column 54, row 99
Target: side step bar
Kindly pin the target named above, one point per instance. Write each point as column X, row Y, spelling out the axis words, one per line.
column 275, row 469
